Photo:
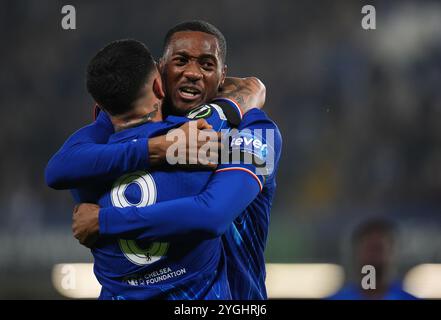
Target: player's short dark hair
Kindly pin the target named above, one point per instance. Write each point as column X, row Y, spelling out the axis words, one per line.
column 201, row 26
column 117, row 73
column 378, row 225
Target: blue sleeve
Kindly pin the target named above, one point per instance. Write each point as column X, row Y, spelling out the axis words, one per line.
column 85, row 157
column 255, row 146
column 206, row 215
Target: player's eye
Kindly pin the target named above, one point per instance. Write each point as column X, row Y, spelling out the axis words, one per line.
column 207, row 65
column 180, row 61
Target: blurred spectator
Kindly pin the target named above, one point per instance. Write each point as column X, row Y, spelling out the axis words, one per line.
column 374, row 244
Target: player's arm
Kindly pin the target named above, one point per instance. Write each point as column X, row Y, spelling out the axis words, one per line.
column 248, row 93
column 85, row 156
column 206, row 215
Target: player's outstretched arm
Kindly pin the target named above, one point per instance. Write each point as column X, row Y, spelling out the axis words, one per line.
column 85, row 157
column 206, row 215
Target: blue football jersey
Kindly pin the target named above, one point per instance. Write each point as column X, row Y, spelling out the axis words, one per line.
column 182, row 268
column 259, row 139
column 244, row 241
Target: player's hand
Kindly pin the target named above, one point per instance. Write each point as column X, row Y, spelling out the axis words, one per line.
column 193, row 145
column 85, row 223
column 248, row 92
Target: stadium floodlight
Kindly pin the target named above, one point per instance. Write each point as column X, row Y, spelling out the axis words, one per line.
column 308, row 280
column 75, row 280
column 424, row 281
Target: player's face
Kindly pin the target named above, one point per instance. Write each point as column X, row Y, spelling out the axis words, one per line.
column 192, row 69
column 375, row 249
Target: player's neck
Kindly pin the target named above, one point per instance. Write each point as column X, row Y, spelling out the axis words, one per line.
column 145, row 110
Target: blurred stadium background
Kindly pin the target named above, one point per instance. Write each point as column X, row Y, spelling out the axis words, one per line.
column 359, row 112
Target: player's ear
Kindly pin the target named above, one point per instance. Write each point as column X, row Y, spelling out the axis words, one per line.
column 157, row 87
column 223, row 75
column 160, row 65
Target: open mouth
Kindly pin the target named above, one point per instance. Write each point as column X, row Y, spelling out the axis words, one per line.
column 189, row 93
